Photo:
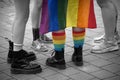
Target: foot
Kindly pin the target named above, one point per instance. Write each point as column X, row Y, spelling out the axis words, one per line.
column 106, row 46
column 55, row 62
column 30, row 56
column 77, row 57
column 117, row 37
column 21, row 65
column 99, row 39
column 39, row 46
column 102, row 38
column 46, row 39
column 59, row 64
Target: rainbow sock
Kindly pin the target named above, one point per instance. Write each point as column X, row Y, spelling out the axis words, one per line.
column 59, row 40
column 78, row 38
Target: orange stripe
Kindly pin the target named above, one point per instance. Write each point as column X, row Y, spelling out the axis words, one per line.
column 77, row 35
column 58, row 37
column 83, row 13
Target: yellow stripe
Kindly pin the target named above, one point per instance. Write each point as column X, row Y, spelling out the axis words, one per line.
column 59, row 41
column 72, row 11
column 78, row 38
column 83, row 13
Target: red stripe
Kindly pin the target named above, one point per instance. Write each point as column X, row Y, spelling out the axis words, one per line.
column 78, row 32
column 58, row 34
column 91, row 20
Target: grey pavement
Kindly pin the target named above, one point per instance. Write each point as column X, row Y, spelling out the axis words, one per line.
column 96, row 66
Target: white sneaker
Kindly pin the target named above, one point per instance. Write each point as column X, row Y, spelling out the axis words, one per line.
column 117, row 37
column 99, row 39
column 38, row 46
column 102, row 38
column 45, row 39
column 106, row 46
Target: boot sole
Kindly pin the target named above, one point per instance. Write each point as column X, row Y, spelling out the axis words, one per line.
column 61, row 67
column 31, row 58
column 78, row 63
column 22, row 71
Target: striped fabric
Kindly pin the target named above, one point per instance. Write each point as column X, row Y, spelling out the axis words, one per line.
column 78, row 38
column 67, row 13
column 59, row 40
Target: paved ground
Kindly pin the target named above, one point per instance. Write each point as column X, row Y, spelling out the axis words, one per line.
column 96, row 66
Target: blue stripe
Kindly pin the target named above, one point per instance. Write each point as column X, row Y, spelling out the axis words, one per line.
column 53, row 15
column 78, row 43
column 58, row 47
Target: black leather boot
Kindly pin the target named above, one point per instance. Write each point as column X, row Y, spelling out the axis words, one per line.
column 30, row 56
column 77, row 56
column 57, row 61
column 21, row 65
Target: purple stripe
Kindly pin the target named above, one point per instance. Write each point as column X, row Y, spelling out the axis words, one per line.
column 44, row 18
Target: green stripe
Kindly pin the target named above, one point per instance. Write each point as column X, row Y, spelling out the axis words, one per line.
column 79, row 41
column 62, row 12
column 59, row 45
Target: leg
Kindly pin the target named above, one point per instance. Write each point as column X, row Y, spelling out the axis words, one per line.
column 36, row 17
column 108, row 8
column 57, row 60
column 117, row 32
column 109, row 18
column 36, row 11
column 20, row 63
column 78, row 38
column 109, row 14
column 22, row 14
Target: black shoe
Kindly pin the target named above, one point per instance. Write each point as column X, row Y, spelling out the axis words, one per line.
column 77, row 56
column 30, row 56
column 21, row 65
column 57, row 61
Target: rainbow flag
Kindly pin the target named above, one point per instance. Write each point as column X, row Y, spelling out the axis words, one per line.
column 67, row 13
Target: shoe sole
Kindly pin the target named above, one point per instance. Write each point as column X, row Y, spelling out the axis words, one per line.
column 22, row 71
column 77, row 63
column 98, row 41
column 49, row 42
column 105, row 50
column 38, row 50
column 31, row 58
column 60, row 67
